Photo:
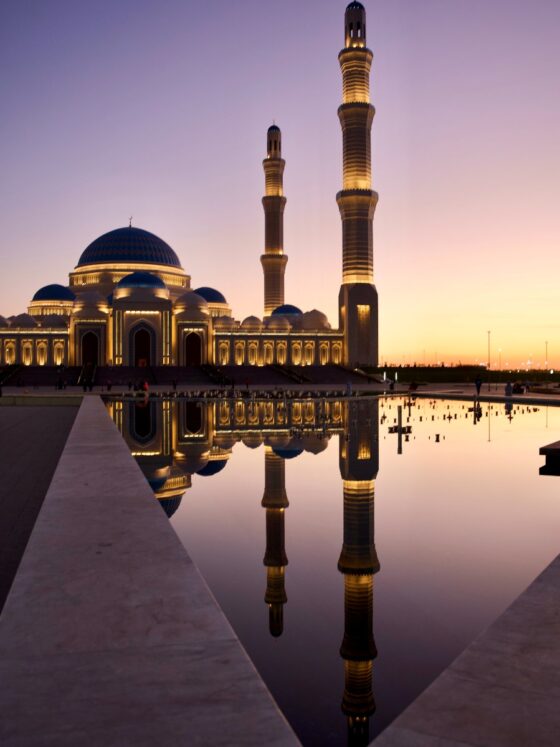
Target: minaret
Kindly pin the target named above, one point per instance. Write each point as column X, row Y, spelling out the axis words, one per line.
column 273, row 260
column 359, row 458
column 275, row 501
column 357, row 300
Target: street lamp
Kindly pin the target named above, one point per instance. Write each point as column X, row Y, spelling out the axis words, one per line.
column 488, row 360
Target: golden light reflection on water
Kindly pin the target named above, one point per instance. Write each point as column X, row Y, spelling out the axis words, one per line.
column 279, row 517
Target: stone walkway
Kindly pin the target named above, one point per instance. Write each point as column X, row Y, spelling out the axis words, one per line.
column 503, row 690
column 109, row 635
column 31, row 442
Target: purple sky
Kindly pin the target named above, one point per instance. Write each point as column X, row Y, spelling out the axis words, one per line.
column 159, row 109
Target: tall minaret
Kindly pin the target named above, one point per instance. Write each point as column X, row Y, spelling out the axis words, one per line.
column 359, row 460
column 357, row 300
column 275, row 501
column 273, row 260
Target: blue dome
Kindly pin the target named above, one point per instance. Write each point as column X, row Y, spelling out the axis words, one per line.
column 54, row 293
column 288, row 452
column 287, row 308
column 141, row 280
column 355, row 6
column 212, row 468
column 211, row 295
column 170, row 505
column 129, row 245
column 274, row 128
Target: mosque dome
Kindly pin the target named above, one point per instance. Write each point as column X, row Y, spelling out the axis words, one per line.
column 287, row 309
column 253, row 440
column 290, row 451
column 315, row 320
column 212, row 468
column 274, row 128
column 252, row 324
column 170, row 505
column 141, row 280
column 54, row 292
column 24, row 321
column 192, row 300
column 54, row 320
column 4, row 322
column 225, row 322
column 211, row 295
column 129, row 245
column 279, row 324
column 355, row 6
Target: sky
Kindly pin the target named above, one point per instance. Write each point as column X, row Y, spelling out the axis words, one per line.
column 158, row 109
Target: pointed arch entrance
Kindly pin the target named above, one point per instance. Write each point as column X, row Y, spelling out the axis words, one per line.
column 142, row 346
column 90, row 349
column 193, row 349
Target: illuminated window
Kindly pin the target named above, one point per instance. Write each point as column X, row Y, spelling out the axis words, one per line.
column 239, row 353
column 41, row 353
column 281, row 353
column 268, row 353
column 58, row 353
column 324, row 353
column 223, row 353
column 253, row 353
column 337, row 353
column 309, row 353
column 27, row 353
column 296, row 353
column 364, row 451
column 10, row 353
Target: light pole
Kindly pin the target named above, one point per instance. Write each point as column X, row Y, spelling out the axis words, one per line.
column 488, row 360
column 546, row 354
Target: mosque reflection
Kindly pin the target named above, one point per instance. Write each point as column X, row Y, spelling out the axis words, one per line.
column 175, row 439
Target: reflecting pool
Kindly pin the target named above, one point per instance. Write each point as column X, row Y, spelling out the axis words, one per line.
column 356, row 546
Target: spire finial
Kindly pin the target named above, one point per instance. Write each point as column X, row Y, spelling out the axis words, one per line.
column 130, row 222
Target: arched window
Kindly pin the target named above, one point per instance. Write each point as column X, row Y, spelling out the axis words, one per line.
column 58, row 353
column 309, row 353
column 42, row 352
column 337, row 353
column 90, row 349
column 253, row 353
column 27, row 353
column 223, row 353
column 296, row 353
column 324, row 353
column 10, row 353
column 281, row 353
column 239, row 353
column 268, row 353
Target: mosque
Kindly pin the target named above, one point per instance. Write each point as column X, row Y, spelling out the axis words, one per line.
column 129, row 301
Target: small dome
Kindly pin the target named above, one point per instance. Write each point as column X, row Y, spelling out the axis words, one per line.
column 287, row 309
column 54, row 320
column 24, row 321
column 141, row 280
column 315, row 320
column 192, row 300
column 355, row 6
column 291, row 451
column 225, row 322
column 212, row 468
column 170, row 505
column 274, row 128
column 211, row 295
column 253, row 440
column 54, row 292
column 279, row 324
column 252, row 323
column 129, row 246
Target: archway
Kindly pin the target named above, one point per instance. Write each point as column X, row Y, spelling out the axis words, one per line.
column 90, row 349
column 141, row 347
column 193, row 349
column 193, row 417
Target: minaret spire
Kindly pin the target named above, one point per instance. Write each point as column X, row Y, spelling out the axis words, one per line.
column 273, row 260
column 357, row 200
column 275, row 501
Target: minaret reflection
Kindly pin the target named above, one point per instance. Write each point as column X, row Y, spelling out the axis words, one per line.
column 359, row 463
column 275, row 501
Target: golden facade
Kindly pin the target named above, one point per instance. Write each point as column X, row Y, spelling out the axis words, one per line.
column 130, row 303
